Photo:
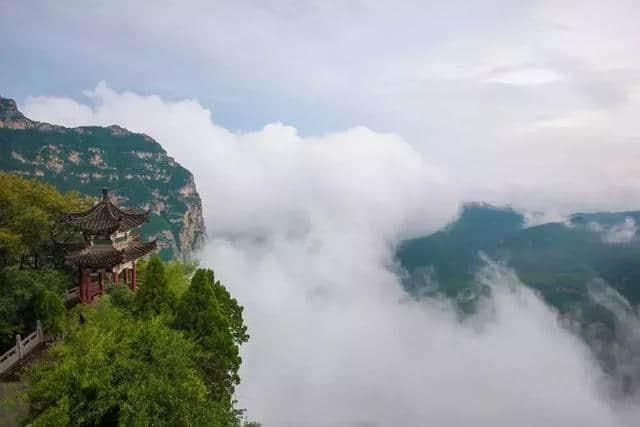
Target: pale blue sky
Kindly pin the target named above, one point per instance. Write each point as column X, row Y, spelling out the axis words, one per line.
column 329, row 65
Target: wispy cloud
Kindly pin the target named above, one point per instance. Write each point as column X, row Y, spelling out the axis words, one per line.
column 302, row 231
column 622, row 233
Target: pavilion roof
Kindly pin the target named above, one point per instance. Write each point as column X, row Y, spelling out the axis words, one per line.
column 107, row 256
column 106, row 218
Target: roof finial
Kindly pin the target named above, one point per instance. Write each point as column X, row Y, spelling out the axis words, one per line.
column 105, row 194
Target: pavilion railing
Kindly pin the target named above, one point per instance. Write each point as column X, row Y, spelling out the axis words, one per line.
column 71, row 294
column 22, row 349
column 25, row 346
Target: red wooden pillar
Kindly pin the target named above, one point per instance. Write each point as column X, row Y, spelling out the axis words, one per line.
column 129, row 278
column 134, row 283
column 81, row 284
column 116, row 278
column 85, row 289
column 101, row 279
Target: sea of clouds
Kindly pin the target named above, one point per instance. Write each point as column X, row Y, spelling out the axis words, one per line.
column 302, row 231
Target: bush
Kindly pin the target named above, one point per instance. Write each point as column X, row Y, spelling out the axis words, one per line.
column 114, row 369
column 29, row 295
column 29, row 210
column 121, row 297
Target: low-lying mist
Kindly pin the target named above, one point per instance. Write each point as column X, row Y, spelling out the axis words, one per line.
column 302, row 230
column 335, row 341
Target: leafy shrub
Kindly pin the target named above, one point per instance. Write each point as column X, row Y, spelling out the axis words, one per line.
column 29, row 295
column 115, row 369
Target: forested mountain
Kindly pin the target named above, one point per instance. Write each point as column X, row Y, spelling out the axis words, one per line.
column 134, row 166
column 588, row 267
column 164, row 353
column 558, row 259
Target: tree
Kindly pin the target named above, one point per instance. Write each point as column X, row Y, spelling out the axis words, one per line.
column 29, row 295
column 114, row 369
column 154, row 296
column 29, row 211
column 232, row 310
column 122, row 297
column 179, row 274
column 209, row 315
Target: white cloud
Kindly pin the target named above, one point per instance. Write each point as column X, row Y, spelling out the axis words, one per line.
column 560, row 129
column 275, row 178
column 333, row 343
column 621, row 233
column 558, row 133
column 66, row 110
column 302, row 233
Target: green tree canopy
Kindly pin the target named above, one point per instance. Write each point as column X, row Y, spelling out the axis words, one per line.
column 29, row 295
column 208, row 314
column 115, row 369
column 154, row 296
column 29, row 210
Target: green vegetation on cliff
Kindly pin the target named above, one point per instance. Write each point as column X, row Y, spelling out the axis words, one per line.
column 559, row 260
column 165, row 355
column 134, row 166
column 32, row 271
column 571, row 265
column 136, row 360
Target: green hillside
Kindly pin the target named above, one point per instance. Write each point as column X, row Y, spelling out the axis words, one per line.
column 134, row 166
column 564, row 263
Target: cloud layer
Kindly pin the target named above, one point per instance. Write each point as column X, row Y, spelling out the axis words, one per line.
column 302, row 231
column 529, row 103
column 274, row 179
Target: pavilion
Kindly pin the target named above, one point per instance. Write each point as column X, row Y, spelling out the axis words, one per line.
column 109, row 246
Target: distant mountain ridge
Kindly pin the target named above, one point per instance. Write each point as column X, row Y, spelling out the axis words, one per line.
column 580, row 248
column 588, row 269
column 134, row 166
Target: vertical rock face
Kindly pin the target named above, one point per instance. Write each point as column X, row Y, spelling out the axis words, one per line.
column 134, row 166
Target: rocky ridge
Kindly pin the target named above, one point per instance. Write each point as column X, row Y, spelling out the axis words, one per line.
column 134, row 166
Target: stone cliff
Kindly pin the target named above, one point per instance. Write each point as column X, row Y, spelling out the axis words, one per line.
column 134, row 166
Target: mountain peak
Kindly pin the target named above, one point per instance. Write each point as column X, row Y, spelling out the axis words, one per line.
column 11, row 117
column 134, row 165
column 7, row 104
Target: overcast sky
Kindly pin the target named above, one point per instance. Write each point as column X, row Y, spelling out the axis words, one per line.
column 503, row 91
column 331, row 130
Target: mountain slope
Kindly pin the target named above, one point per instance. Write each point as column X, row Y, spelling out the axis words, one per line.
column 579, row 251
column 134, row 166
column 588, row 269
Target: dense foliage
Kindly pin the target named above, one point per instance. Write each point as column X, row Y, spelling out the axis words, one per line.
column 28, row 295
column 155, row 297
column 564, row 263
column 178, row 274
column 559, row 260
column 30, row 287
column 116, row 369
column 209, row 315
column 167, row 355
column 29, row 210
